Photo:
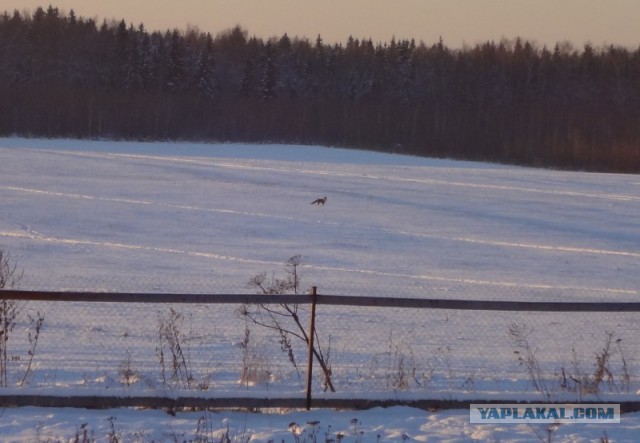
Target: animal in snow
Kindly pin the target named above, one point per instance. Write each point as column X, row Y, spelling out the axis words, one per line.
column 319, row 201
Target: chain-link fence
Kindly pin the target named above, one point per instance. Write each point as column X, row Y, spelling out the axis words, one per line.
column 199, row 345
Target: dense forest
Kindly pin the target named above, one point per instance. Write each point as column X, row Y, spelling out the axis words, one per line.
column 509, row 101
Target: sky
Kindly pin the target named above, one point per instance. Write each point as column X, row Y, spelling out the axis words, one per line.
column 458, row 22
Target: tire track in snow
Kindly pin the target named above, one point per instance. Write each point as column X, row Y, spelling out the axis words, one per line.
column 497, row 243
column 36, row 236
column 211, row 161
column 231, row 165
column 468, row 281
column 554, row 248
column 142, row 202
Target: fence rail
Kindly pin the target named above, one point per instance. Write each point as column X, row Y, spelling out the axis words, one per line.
column 322, row 299
column 12, row 397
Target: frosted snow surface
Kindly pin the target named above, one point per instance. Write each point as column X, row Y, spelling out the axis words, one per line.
column 101, row 215
column 182, row 217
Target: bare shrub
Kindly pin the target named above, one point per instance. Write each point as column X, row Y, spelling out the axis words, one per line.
column 33, row 335
column 519, row 335
column 10, row 276
column 402, row 370
column 604, row 370
column 128, row 374
column 545, row 432
column 255, row 363
column 171, row 347
column 10, row 310
column 284, row 318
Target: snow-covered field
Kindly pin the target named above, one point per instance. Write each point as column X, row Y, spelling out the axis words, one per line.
column 176, row 217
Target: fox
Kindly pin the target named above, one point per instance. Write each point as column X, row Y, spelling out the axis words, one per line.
column 319, row 201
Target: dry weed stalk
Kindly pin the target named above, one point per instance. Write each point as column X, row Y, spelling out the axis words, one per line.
column 519, row 335
column 171, row 343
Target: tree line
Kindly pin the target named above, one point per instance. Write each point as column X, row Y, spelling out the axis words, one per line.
column 508, row 101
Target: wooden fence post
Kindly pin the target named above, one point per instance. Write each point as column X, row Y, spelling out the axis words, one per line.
column 312, row 333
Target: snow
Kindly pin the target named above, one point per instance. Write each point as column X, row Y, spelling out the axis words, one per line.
column 377, row 424
column 183, row 217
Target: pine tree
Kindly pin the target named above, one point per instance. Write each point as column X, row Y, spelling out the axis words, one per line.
column 175, row 81
column 268, row 80
column 248, row 77
column 120, row 64
column 206, row 82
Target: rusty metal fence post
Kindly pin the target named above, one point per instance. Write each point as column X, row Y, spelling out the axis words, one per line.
column 312, row 332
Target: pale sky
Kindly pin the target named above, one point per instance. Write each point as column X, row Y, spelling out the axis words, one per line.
column 458, row 22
